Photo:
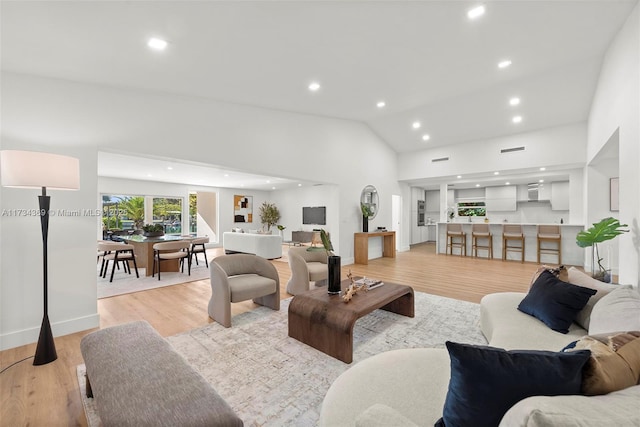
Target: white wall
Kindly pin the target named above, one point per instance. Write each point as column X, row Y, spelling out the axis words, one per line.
column 60, row 113
column 562, row 147
column 616, row 106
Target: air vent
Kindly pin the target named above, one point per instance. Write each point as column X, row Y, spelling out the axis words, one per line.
column 441, row 159
column 510, row 150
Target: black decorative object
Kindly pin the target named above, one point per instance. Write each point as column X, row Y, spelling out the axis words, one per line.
column 333, row 285
column 365, row 224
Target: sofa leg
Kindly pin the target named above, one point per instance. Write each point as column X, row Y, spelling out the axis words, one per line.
column 89, row 392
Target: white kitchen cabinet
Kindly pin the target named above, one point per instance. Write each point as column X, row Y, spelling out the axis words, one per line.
column 560, row 196
column 501, row 198
column 432, row 200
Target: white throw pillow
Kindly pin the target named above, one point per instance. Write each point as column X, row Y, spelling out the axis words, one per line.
column 616, row 312
column 577, row 277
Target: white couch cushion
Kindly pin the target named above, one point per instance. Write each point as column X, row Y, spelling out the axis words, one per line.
column 379, row 415
column 506, row 327
column 619, row 409
column 617, row 311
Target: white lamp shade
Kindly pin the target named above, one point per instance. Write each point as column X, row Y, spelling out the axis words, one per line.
column 31, row 169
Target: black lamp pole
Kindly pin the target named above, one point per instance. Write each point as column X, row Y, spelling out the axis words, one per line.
column 46, row 348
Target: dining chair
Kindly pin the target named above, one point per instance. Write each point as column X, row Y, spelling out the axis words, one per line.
column 116, row 252
column 169, row 251
column 198, row 247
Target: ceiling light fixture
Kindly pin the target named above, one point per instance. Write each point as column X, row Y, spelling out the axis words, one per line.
column 299, row 185
column 226, row 175
column 381, row 104
column 314, row 86
column 477, row 185
column 507, row 183
column 459, row 176
column 426, row 137
column 476, row 12
column 516, row 119
column 157, row 44
column 514, row 101
column 496, row 173
column 543, row 168
column 504, row 64
column 169, row 168
column 542, row 180
column 416, row 125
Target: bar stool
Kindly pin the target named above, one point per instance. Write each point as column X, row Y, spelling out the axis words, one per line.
column 481, row 231
column 454, row 231
column 550, row 233
column 512, row 232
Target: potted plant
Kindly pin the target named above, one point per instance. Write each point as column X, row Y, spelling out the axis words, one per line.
column 605, row 229
column 269, row 215
column 367, row 212
column 153, row 230
column 333, row 263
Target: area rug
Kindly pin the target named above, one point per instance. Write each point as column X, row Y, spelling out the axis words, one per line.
column 270, row 379
column 124, row 283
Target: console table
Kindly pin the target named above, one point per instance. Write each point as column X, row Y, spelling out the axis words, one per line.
column 361, row 245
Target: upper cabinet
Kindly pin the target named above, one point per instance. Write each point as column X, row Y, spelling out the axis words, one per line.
column 432, row 200
column 501, row 198
column 560, row 196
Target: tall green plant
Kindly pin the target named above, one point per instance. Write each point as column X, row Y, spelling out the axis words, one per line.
column 606, row 229
column 134, row 207
column 269, row 214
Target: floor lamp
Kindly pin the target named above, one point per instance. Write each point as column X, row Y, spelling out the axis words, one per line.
column 30, row 169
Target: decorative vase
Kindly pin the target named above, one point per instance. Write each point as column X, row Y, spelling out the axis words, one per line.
column 333, row 280
column 365, row 224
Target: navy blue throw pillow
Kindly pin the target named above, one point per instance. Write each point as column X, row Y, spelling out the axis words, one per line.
column 487, row 381
column 554, row 302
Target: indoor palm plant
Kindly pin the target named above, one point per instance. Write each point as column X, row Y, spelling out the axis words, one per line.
column 605, row 229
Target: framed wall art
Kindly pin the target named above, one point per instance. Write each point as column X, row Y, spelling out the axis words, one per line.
column 242, row 208
column 614, row 192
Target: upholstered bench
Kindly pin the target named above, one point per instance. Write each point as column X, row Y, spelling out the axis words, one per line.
column 138, row 379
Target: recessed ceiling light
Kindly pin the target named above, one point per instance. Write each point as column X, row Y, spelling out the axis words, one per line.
column 299, row 185
column 169, row 168
column 514, row 101
column 477, row 185
column 149, row 175
column 381, row 104
column 507, row 183
column 268, row 181
column 416, row 125
column 273, row 188
column 542, row 180
column 504, row 64
column 496, row 173
column 516, row 119
column 426, row 137
column 157, row 44
column 476, row 12
column 543, row 168
column 314, row 86
column 226, row 175
column 459, row 176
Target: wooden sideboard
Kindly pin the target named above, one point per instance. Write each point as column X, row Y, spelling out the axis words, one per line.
column 361, row 245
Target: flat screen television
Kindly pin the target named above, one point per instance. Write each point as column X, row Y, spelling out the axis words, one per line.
column 314, row 215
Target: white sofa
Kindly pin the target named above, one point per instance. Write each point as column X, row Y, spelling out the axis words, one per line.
column 267, row 246
column 408, row 387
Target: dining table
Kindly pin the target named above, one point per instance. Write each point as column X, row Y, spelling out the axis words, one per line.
column 143, row 250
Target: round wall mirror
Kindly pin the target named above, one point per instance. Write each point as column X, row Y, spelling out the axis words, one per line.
column 369, row 198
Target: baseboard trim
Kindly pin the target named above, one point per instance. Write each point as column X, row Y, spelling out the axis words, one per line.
column 65, row 327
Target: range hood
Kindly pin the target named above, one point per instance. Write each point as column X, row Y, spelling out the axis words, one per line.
column 533, row 192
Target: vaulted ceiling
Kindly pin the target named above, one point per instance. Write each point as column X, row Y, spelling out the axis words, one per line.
column 426, row 60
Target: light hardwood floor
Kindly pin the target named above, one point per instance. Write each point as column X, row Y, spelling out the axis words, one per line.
column 49, row 395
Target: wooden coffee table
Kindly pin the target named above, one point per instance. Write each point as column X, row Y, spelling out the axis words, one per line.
column 326, row 322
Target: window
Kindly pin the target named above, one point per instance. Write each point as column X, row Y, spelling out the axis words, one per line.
column 122, row 212
column 472, row 209
column 168, row 212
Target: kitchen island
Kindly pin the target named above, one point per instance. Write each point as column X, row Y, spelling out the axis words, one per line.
column 572, row 254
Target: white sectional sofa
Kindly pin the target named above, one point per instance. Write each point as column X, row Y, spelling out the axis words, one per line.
column 267, row 246
column 408, row 387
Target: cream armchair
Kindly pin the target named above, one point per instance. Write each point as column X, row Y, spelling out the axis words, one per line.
column 306, row 266
column 240, row 277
